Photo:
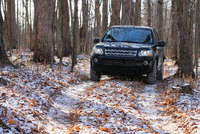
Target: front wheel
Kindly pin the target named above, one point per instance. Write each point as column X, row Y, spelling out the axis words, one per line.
column 94, row 76
column 151, row 77
column 160, row 72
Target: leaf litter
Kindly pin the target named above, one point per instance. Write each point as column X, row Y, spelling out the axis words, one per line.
column 40, row 99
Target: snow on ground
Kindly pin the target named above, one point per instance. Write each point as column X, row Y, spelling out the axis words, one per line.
column 40, row 99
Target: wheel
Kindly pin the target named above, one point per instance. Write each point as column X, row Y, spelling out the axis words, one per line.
column 94, row 76
column 151, row 77
column 160, row 72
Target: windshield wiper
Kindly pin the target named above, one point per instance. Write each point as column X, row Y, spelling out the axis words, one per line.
column 110, row 41
column 130, row 41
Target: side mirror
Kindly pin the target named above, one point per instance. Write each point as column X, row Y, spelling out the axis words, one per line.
column 161, row 44
column 96, row 40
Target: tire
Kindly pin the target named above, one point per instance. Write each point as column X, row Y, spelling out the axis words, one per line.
column 160, row 72
column 151, row 77
column 94, row 76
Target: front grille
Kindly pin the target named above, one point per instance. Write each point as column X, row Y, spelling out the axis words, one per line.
column 120, row 52
column 122, row 62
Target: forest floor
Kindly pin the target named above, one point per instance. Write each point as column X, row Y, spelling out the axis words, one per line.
column 38, row 99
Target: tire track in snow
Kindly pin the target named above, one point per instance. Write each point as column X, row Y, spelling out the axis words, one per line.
column 153, row 113
column 65, row 104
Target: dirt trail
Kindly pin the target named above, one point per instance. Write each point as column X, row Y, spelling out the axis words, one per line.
column 71, row 98
column 153, row 113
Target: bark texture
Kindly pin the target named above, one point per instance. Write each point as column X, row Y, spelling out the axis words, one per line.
column 3, row 57
column 105, row 16
column 174, row 31
column 66, row 30
column 115, row 17
column 137, row 20
column 84, row 28
column 75, row 37
column 185, row 38
column 160, row 18
column 44, row 36
column 127, row 12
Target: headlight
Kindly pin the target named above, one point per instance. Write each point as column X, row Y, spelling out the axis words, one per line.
column 96, row 50
column 148, row 53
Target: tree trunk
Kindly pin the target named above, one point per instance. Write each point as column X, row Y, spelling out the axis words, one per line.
column 137, row 20
column 197, row 34
column 11, row 25
column 66, row 30
column 84, row 28
column 115, row 18
column 160, row 18
column 174, row 31
column 75, row 36
column 149, row 13
column 127, row 15
column 44, row 36
column 60, row 31
column 185, row 39
column 97, row 18
column 3, row 57
column 105, row 17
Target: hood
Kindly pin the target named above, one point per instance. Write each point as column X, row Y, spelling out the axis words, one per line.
column 124, row 45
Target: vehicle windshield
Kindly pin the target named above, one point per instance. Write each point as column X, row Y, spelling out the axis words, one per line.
column 129, row 34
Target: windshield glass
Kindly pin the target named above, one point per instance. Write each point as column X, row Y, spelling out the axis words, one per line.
column 129, row 34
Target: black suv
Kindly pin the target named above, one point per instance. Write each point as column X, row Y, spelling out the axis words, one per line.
column 128, row 49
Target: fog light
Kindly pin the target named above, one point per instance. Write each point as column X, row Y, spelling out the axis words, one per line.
column 145, row 62
column 95, row 60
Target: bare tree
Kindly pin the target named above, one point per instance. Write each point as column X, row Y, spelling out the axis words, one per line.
column 66, row 29
column 3, row 57
column 174, row 31
column 97, row 24
column 84, row 28
column 44, row 36
column 127, row 13
column 105, row 16
column 75, row 38
column 137, row 20
column 115, row 18
column 11, row 24
column 185, row 38
column 160, row 18
column 60, row 31
column 197, row 34
column 149, row 13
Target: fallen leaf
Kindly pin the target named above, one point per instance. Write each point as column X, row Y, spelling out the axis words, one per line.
column 133, row 97
column 104, row 129
column 76, row 128
column 35, row 129
column 11, row 121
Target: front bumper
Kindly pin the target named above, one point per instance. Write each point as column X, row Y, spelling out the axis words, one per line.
column 113, row 64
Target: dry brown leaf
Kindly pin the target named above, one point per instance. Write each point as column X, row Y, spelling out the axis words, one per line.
column 35, row 129
column 98, row 98
column 12, row 122
column 104, row 129
column 32, row 102
column 53, row 129
column 125, row 129
column 133, row 97
column 76, row 128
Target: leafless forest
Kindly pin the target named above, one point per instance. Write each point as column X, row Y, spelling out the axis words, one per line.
column 44, row 68
column 63, row 27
